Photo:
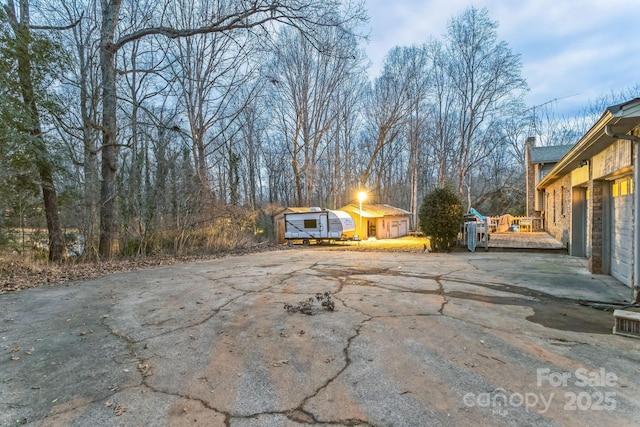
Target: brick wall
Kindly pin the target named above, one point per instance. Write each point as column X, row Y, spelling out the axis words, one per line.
column 531, row 172
column 595, row 207
column 558, row 209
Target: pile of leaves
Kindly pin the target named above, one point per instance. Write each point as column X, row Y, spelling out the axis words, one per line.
column 310, row 306
column 17, row 272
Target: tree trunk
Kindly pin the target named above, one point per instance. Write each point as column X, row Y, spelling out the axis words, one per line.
column 414, row 155
column 39, row 148
column 91, row 186
column 109, row 238
column 202, row 170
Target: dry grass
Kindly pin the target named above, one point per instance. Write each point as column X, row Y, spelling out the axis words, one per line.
column 20, row 272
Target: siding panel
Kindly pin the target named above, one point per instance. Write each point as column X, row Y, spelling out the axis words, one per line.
column 616, row 156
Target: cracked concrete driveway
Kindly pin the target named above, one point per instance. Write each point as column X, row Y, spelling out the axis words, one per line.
column 415, row 340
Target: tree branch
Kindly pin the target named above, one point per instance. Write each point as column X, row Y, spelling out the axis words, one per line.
column 56, row 28
column 226, row 23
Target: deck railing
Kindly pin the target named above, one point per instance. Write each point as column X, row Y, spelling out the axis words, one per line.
column 504, row 223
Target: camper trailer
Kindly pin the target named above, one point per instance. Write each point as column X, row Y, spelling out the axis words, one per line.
column 318, row 224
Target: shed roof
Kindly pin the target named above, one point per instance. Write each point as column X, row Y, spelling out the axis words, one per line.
column 551, row 154
column 375, row 211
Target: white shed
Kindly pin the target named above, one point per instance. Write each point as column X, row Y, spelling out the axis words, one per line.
column 379, row 220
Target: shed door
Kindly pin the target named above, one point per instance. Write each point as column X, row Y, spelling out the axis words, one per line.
column 394, row 229
column 621, row 227
column 403, row 228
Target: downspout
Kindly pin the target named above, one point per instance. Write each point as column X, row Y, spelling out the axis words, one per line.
column 636, row 179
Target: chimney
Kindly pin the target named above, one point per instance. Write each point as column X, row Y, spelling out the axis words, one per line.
column 530, row 171
column 531, row 142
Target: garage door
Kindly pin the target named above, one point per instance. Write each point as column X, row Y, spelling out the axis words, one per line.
column 394, row 229
column 622, row 232
column 403, row 228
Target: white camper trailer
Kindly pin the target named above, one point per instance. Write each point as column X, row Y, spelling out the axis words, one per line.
column 318, row 225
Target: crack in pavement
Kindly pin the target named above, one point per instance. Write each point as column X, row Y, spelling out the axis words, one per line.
column 145, row 369
column 214, row 312
column 445, row 300
column 524, row 296
column 313, row 392
column 344, row 279
column 344, row 276
column 191, row 398
column 297, row 414
column 279, row 282
column 347, row 363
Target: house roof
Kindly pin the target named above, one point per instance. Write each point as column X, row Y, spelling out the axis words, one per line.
column 621, row 119
column 551, row 154
column 375, row 211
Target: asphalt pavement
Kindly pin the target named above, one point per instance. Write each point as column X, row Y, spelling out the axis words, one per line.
column 403, row 339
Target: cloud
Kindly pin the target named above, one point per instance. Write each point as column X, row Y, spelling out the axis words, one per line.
column 588, row 47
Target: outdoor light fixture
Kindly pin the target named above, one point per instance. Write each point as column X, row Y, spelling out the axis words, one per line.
column 361, row 196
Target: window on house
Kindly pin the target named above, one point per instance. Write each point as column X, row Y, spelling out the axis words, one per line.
column 554, row 206
column 562, row 201
column 540, row 195
column 622, row 187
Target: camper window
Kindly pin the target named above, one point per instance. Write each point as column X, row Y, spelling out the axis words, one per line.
column 310, row 223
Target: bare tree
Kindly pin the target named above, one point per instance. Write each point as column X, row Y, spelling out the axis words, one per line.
column 417, row 72
column 253, row 127
column 307, row 86
column 485, row 77
column 443, row 114
column 207, row 74
column 225, row 16
column 388, row 107
column 79, row 123
column 340, row 162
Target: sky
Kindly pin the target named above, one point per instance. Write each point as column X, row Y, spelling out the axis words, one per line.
column 572, row 51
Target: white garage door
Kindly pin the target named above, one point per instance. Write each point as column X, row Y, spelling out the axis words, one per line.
column 394, row 229
column 403, row 228
column 622, row 236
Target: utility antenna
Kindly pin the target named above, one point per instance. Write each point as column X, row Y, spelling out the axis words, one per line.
column 534, row 119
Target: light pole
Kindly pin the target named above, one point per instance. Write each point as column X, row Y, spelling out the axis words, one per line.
column 361, row 196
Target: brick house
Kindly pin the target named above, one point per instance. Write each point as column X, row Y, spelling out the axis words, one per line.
column 588, row 199
column 539, row 161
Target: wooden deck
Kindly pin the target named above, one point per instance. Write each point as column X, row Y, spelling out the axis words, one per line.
column 524, row 240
